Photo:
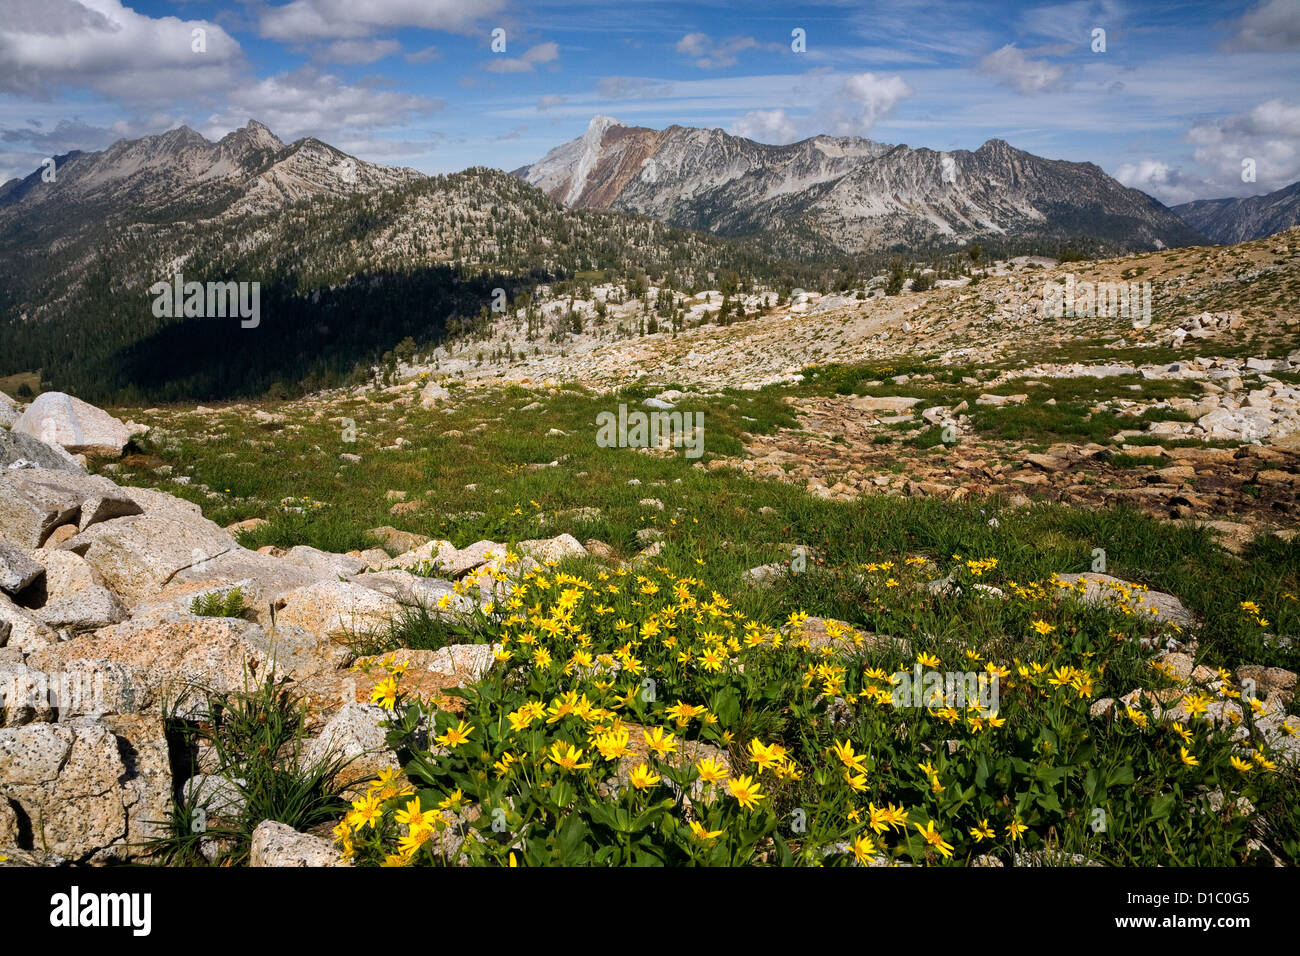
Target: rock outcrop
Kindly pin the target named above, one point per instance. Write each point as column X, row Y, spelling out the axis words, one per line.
column 76, row 426
column 100, row 643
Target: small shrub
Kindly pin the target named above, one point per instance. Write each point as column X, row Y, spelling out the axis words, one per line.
column 255, row 739
column 1137, row 461
column 216, row 604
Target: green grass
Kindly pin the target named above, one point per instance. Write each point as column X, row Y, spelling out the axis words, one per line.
column 1165, row 415
column 932, row 437
column 713, row 516
column 12, row 384
column 415, row 628
column 1123, row 460
column 1166, row 441
column 328, row 530
column 254, row 737
column 1058, row 409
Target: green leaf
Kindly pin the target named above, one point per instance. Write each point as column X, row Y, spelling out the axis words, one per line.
column 726, row 704
column 1162, row 805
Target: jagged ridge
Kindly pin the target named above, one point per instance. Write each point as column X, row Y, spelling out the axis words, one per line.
column 848, row 193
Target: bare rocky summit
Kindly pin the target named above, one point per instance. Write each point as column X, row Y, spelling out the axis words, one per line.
column 847, row 192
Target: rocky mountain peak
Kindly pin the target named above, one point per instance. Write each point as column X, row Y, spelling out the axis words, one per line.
column 253, row 135
column 846, row 193
column 602, row 123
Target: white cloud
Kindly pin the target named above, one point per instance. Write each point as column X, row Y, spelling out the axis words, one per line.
column 426, row 55
column 1073, row 22
column 49, row 44
column 694, row 44
column 69, row 134
column 623, row 87
column 340, row 19
column 1269, row 134
column 550, row 101
column 1272, row 25
column 864, row 99
column 1012, row 67
column 542, row 53
column 766, row 126
column 357, row 51
column 709, row 54
column 308, row 102
column 1157, row 178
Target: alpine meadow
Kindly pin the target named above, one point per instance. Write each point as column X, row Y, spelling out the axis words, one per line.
column 877, row 448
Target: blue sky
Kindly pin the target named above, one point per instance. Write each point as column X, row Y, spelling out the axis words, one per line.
column 1181, row 94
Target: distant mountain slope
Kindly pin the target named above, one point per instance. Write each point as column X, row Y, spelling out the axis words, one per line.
column 174, row 173
column 848, row 193
column 1227, row 221
column 51, row 231
column 350, row 259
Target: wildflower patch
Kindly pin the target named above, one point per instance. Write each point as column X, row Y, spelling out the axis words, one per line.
column 762, row 746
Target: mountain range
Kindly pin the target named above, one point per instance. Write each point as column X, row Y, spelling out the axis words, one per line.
column 1227, row 221
column 353, row 257
column 847, row 193
column 350, row 258
column 174, row 173
column 58, row 220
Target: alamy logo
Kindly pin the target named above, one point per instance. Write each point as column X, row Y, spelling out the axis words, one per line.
column 76, row 692
column 956, row 689
column 63, row 429
column 948, row 168
column 75, row 909
column 214, row 300
column 651, row 430
column 1071, row 299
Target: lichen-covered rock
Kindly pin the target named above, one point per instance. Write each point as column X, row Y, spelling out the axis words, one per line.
column 323, row 564
column 1269, row 680
column 217, row 795
column 398, row 541
column 412, row 590
column 77, row 426
column 353, row 734
column 154, row 502
column 17, row 570
column 337, row 609
column 553, row 549
column 278, row 845
column 86, row 789
column 136, row 556
column 174, row 659
column 147, row 781
column 24, row 696
column 468, row 663
column 77, row 688
column 1093, row 588
column 446, row 559
column 92, row 608
column 33, row 502
column 19, row 451
column 9, row 411
column 20, row 629
column 262, row 579
column 66, row 573
column 427, row 673
column 432, row 394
